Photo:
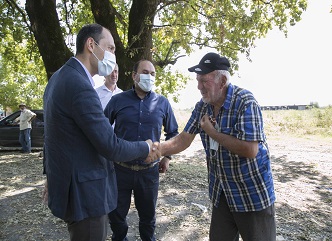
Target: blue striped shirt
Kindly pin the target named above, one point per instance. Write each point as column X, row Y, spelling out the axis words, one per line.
column 246, row 182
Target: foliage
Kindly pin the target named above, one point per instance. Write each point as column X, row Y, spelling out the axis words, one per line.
column 162, row 31
column 23, row 78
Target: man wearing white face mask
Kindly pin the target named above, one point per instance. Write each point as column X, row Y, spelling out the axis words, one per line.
column 139, row 113
column 80, row 144
column 107, row 64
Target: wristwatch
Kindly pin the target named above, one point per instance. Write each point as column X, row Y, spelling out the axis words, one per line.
column 169, row 157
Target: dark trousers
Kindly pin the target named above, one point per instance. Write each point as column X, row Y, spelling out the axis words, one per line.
column 144, row 184
column 25, row 140
column 252, row 226
column 89, row 229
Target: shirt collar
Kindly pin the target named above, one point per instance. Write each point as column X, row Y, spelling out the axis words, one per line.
column 87, row 72
column 230, row 90
column 105, row 88
column 148, row 93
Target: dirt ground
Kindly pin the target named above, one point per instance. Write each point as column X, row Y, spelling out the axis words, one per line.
column 302, row 170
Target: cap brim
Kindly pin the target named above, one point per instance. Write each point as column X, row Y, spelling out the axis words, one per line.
column 200, row 69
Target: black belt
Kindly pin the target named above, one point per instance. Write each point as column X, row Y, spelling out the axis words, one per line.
column 136, row 167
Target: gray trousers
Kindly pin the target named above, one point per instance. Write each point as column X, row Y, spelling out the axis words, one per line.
column 89, row 229
column 252, row 226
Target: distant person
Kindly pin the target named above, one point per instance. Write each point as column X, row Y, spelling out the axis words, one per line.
column 79, row 140
column 140, row 114
column 109, row 88
column 230, row 123
column 25, row 120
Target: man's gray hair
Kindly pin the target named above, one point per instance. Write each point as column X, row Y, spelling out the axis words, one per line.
column 225, row 73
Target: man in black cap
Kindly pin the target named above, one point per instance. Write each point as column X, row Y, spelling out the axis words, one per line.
column 230, row 123
column 25, row 120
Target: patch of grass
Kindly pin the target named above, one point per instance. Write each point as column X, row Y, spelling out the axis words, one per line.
column 182, row 117
column 315, row 122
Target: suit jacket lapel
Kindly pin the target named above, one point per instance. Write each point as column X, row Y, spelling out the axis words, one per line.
column 74, row 63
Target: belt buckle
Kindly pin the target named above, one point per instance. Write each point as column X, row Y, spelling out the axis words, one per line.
column 135, row 167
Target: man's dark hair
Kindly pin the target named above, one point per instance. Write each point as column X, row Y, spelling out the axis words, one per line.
column 137, row 64
column 91, row 30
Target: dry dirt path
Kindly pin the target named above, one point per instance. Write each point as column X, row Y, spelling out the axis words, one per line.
column 302, row 171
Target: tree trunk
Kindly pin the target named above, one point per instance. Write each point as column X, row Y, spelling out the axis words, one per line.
column 104, row 14
column 141, row 18
column 47, row 32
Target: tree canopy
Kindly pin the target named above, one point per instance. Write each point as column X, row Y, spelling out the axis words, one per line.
column 38, row 37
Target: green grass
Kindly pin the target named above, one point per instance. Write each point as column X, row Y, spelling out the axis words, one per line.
column 300, row 123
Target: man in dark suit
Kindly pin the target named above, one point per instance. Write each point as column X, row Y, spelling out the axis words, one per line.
column 80, row 145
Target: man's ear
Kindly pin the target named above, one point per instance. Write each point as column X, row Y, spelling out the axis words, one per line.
column 133, row 75
column 90, row 44
column 223, row 80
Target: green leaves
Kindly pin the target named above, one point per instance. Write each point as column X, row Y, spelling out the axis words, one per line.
column 161, row 31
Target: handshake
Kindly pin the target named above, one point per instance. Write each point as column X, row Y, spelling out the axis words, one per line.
column 155, row 151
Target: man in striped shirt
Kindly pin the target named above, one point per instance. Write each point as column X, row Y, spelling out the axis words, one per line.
column 230, row 123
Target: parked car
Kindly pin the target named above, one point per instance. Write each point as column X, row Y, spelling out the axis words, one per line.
column 9, row 130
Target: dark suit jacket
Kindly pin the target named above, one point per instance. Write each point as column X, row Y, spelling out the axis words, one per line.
column 78, row 141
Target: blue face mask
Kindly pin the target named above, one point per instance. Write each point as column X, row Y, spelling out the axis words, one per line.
column 146, row 82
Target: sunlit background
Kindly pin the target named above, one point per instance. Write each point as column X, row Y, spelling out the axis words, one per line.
column 296, row 70
column 284, row 71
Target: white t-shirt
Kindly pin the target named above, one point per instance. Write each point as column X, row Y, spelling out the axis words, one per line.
column 25, row 116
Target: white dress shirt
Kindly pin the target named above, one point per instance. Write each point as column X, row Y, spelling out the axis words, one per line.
column 106, row 94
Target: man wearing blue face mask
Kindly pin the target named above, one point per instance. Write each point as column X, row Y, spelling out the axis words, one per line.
column 139, row 113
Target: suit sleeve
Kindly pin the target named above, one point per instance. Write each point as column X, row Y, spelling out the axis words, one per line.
column 89, row 115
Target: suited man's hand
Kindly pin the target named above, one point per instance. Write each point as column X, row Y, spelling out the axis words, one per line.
column 155, row 152
column 149, row 142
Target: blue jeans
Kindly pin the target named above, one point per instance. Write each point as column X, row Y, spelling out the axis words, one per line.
column 25, row 140
column 144, row 184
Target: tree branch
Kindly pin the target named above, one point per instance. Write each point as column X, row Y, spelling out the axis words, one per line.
column 15, row 6
column 164, row 62
column 66, row 16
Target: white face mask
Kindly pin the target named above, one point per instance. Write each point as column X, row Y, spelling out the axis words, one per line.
column 107, row 65
column 146, row 82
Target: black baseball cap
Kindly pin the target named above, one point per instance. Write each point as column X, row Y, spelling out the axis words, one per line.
column 209, row 63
